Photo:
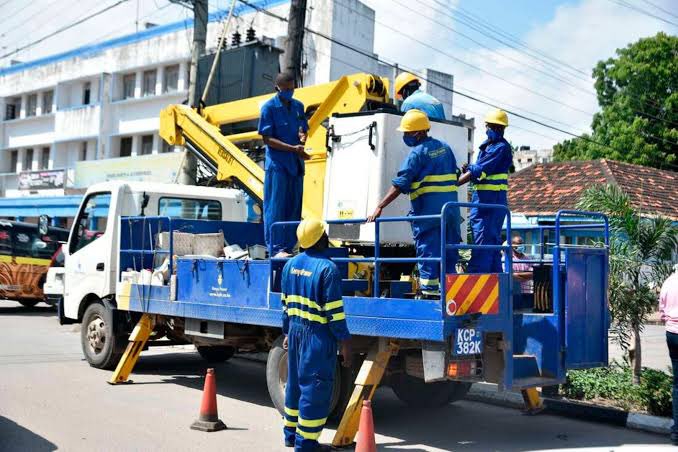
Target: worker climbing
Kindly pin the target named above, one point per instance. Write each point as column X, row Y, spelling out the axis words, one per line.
column 489, row 175
column 313, row 323
column 429, row 176
column 283, row 126
column 407, row 88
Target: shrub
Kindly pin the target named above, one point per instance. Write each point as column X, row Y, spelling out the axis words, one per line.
column 655, row 392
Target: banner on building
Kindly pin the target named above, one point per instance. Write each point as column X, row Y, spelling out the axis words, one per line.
column 41, row 180
column 163, row 168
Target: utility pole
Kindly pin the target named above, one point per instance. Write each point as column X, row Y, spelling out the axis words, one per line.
column 199, row 38
column 295, row 39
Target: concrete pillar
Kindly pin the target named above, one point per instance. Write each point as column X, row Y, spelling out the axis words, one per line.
column 138, row 83
column 183, row 76
column 156, row 144
column 136, row 145
column 38, row 108
column 20, row 160
column 24, row 104
column 159, row 76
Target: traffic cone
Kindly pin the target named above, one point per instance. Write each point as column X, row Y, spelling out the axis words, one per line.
column 208, row 421
column 366, row 441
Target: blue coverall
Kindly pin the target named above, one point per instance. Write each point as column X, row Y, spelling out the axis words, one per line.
column 489, row 175
column 429, row 176
column 314, row 321
column 424, row 102
column 284, row 171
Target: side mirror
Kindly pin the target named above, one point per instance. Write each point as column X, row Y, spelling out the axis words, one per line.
column 43, row 224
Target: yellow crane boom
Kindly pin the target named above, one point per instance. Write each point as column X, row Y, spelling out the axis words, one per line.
column 200, row 132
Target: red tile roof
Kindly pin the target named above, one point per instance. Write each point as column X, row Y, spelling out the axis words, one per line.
column 545, row 188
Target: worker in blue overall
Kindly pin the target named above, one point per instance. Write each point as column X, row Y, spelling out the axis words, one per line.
column 314, row 324
column 489, row 175
column 407, row 88
column 429, row 176
column 283, row 127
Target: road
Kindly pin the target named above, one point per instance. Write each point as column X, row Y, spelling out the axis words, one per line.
column 653, row 348
column 50, row 399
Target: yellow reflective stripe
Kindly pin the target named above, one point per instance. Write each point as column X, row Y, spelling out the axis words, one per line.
column 497, row 176
column 25, row 260
column 313, row 436
column 312, row 422
column 429, row 282
column 490, row 187
column 306, row 315
column 339, row 316
column 432, row 189
column 291, row 412
column 303, row 300
column 290, row 423
column 334, row 305
column 483, row 175
column 434, row 178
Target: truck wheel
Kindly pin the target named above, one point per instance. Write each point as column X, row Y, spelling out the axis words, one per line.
column 419, row 394
column 28, row 303
column 276, row 379
column 217, row 353
column 102, row 349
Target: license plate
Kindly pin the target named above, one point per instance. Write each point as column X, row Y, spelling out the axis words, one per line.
column 468, row 341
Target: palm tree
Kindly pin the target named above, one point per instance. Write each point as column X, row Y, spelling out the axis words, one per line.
column 640, row 251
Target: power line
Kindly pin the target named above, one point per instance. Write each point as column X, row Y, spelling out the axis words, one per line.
column 62, row 29
column 642, row 11
column 660, row 8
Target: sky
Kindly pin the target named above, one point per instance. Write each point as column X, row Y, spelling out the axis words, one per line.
column 539, row 66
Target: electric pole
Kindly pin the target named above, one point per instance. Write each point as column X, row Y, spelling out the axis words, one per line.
column 199, row 38
column 295, row 39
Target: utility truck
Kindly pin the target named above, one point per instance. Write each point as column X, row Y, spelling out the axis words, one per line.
column 150, row 266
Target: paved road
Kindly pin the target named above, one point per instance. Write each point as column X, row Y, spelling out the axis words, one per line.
column 653, row 348
column 50, row 399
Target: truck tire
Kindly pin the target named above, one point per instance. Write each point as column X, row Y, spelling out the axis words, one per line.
column 418, row 394
column 101, row 348
column 216, row 353
column 276, row 378
column 28, row 303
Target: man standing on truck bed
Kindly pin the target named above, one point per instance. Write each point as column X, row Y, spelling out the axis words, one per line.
column 283, row 126
column 429, row 176
column 313, row 324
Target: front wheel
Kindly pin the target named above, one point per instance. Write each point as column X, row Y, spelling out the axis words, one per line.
column 101, row 347
column 419, row 394
column 28, row 303
column 276, row 379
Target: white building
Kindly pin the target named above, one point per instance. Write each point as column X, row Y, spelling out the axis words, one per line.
column 101, row 102
column 525, row 157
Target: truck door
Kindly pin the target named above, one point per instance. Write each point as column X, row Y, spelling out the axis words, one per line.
column 88, row 266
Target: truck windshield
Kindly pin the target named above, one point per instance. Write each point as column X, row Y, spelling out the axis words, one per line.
column 190, row 209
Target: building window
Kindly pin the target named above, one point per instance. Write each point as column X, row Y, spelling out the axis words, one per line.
column 31, row 104
column 86, row 93
column 529, row 160
column 125, row 146
column 149, row 83
column 146, row 144
column 28, row 159
column 44, row 158
column 14, row 161
column 171, row 82
column 165, row 147
column 128, row 84
column 12, row 108
column 83, row 151
column 47, row 100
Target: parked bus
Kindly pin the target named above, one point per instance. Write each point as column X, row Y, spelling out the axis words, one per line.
column 25, row 257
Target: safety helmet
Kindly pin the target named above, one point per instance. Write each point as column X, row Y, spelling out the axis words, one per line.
column 497, row 117
column 403, row 79
column 414, row 121
column 310, row 231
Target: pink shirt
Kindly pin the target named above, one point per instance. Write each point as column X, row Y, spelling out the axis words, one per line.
column 668, row 303
column 527, row 285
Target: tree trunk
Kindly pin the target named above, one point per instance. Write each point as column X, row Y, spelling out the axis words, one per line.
column 635, row 356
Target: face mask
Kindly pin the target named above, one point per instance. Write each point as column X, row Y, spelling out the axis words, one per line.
column 493, row 135
column 519, row 249
column 410, row 140
column 286, row 94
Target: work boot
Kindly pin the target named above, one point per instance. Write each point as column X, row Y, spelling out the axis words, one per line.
column 324, row 448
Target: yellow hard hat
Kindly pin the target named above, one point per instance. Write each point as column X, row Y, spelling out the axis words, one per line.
column 413, row 121
column 310, row 231
column 497, row 117
column 403, row 79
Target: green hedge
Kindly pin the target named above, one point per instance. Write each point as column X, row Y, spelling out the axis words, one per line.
column 613, row 384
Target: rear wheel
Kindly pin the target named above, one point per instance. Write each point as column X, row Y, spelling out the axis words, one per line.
column 419, row 394
column 101, row 347
column 276, row 379
column 217, row 353
column 29, row 303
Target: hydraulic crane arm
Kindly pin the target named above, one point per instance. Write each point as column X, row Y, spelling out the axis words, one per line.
column 181, row 125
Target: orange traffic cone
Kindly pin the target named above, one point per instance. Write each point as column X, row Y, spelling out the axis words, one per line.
column 366, row 441
column 208, row 421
